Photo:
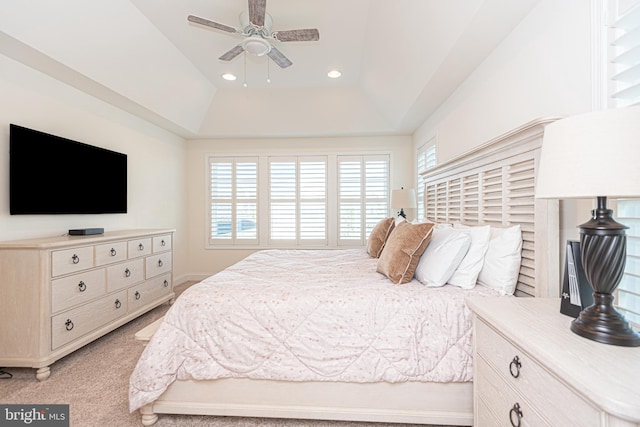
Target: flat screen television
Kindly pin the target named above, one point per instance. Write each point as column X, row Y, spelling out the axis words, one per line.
column 51, row 175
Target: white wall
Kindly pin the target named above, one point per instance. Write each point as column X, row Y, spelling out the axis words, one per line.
column 542, row 69
column 156, row 158
column 208, row 261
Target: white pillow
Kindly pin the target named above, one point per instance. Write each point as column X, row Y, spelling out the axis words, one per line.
column 502, row 261
column 467, row 272
column 443, row 255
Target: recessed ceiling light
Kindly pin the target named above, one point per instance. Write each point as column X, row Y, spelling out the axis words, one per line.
column 229, row 76
column 334, row 74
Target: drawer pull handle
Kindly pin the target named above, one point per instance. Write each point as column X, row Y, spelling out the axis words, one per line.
column 113, row 252
column 81, row 286
column 141, row 247
column 127, row 272
column 118, row 303
column 160, row 264
column 163, row 243
column 68, row 325
column 517, row 413
column 166, row 283
column 137, row 294
column 514, row 367
column 75, row 259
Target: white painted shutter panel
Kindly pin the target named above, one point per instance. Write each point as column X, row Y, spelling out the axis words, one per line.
column 233, row 205
column 363, row 196
column 298, row 200
column 626, row 56
column 282, row 200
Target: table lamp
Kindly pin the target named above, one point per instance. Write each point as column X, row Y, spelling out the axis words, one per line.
column 403, row 198
column 596, row 155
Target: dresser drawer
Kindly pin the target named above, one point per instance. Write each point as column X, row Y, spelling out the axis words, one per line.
column 149, row 291
column 157, row 264
column 77, row 289
column 124, row 274
column 508, row 408
column 162, row 243
column 110, row 253
column 483, row 415
column 537, row 384
column 71, row 260
column 73, row 324
column 139, row 247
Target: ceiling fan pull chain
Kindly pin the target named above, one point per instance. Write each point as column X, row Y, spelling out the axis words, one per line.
column 268, row 73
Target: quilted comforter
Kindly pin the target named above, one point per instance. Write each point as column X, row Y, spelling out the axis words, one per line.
column 308, row 315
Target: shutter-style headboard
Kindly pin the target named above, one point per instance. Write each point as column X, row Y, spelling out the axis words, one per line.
column 495, row 184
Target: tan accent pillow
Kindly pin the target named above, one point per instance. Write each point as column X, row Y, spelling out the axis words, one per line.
column 402, row 251
column 379, row 235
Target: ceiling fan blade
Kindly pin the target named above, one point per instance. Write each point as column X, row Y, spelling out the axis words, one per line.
column 202, row 21
column 257, row 10
column 279, row 58
column 232, row 53
column 308, row 34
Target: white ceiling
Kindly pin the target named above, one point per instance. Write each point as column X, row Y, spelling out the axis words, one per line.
column 400, row 60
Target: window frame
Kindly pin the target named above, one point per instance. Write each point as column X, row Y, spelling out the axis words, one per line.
column 263, row 241
column 426, row 158
column 609, row 92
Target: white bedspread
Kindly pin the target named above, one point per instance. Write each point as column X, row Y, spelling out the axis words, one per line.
column 297, row 315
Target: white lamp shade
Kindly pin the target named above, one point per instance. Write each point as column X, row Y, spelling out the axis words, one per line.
column 590, row 155
column 403, row 198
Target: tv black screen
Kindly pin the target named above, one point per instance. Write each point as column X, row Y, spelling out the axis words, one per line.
column 49, row 174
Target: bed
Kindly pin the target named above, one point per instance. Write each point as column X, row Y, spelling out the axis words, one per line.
column 354, row 346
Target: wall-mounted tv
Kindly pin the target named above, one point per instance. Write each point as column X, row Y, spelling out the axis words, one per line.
column 49, row 175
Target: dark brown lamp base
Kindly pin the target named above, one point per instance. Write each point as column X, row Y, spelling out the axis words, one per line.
column 603, row 323
column 603, row 249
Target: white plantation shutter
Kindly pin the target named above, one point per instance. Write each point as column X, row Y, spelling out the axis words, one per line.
column 628, row 292
column 282, row 200
column 350, row 200
column 298, row 200
column 313, row 200
column 623, row 71
column 295, row 201
column 363, row 196
column 425, row 159
column 233, row 200
column 624, row 53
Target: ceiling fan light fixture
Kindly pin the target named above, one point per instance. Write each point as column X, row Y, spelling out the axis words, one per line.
column 229, row 76
column 334, row 74
column 256, row 46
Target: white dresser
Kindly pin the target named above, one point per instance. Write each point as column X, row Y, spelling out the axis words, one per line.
column 60, row 293
column 531, row 370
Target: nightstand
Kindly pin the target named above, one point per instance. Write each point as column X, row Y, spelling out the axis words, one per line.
column 531, row 370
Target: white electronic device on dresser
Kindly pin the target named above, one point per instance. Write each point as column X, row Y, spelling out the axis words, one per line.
column 531, row 370
column 61, row 293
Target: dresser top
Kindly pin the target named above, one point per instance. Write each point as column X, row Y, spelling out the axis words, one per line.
column 67, row 240
column 607, row 375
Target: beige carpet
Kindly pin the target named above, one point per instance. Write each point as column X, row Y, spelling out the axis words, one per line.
column 94, row 381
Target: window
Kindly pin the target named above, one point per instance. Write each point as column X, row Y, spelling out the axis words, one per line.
column 363, row 196
column 234, row 200
column 296, row 201
column 624, row 52
column 425, row 158
column 622, row 57
column 628, row 292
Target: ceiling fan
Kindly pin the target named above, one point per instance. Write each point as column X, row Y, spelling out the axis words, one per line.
column 258, row 37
